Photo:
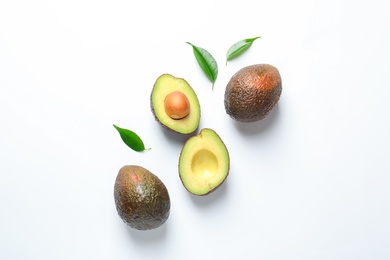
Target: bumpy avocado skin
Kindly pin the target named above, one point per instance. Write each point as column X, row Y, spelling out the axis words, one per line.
column 253, row 92
column 141, row 198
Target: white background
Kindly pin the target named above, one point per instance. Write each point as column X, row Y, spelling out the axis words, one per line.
column 311, row 181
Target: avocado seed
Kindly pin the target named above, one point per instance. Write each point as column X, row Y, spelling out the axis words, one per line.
column 177, row 105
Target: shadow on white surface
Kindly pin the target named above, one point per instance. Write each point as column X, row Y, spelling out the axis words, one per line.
column 261, row 126
column 216, row 196
column 148, row 236
column 177, row 137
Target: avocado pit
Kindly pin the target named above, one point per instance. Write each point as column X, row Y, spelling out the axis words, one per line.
column 177, row 105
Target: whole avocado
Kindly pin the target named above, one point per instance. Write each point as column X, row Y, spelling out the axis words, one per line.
column 141, row 198
column 253, row 92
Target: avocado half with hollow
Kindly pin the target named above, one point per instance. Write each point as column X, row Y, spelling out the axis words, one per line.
column 204, row 162
column 253, row 92
column 175, row 105
column 141, row 198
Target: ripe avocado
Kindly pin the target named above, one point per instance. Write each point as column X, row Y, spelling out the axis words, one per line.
column 204, row 162
column 141, row 198
column 175, row 105
column 253, row 92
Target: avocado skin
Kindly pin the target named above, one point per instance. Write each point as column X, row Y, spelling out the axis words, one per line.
column 141, row 198
column 253, row 92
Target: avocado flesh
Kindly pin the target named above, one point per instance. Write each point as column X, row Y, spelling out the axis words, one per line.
column 204, row 162
column 141, row 198
column 164, row 85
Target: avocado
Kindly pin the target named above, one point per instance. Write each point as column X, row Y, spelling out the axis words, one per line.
column 253, row 92
column 204, row 162
column 141, row 198
column 175, row 104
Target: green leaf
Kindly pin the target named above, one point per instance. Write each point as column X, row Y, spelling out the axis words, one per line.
column 239, row 47
column 131, row 139
column 207, row 62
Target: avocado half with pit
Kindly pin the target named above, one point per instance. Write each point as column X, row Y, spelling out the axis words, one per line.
column 175, row 105
column 204, row 162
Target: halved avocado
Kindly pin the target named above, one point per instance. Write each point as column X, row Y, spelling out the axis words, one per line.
column 204, row 162
column 184, row 98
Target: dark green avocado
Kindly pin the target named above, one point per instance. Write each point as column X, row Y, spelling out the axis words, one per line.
column 141, row 198
column 253, row 92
